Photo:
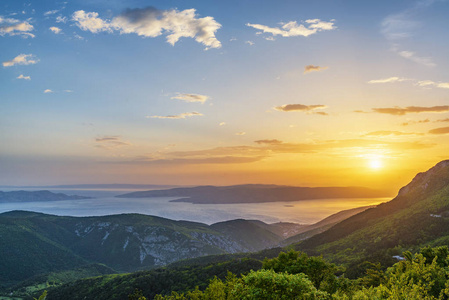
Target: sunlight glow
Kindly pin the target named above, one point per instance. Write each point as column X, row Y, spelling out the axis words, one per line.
column 375, row 163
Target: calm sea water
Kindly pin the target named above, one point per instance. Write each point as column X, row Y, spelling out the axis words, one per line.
column 104, row 203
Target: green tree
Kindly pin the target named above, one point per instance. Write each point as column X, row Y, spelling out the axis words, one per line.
column 320, row 272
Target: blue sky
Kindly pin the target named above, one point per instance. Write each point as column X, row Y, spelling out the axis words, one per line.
column 222, row 92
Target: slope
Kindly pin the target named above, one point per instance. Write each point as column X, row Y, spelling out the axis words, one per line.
column 35, row 243
column 415, row 217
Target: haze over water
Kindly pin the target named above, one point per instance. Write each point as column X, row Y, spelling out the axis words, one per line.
column 303, row 212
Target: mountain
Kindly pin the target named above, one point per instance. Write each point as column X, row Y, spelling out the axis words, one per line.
column 416, row 217
column 307, row 231
column 93, row 186
column 255, row 193
column 46, row 243
column 34, row 196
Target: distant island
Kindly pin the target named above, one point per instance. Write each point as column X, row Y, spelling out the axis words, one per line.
column 36, row 196
column 93, row 186
column 256, row 193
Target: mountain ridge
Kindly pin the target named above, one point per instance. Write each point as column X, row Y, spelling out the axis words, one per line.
column 255, row 193
column 34, row 196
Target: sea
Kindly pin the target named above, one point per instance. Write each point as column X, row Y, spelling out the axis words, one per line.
column 104, row 203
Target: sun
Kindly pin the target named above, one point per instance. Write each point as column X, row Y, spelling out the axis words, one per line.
column 375, row 164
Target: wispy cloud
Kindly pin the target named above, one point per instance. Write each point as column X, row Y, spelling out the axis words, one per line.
column 312, row 68
column 292, row 28
column 180, row 116
column 430, row 83
column 301, row 108
column 47, row 91
column 51, row 12
column 388, row 80
column 61, row 19
column 402, row 25
column 420, row 83
column 21, row 59
column 268, row 142
column 10, row 26
column 443, row 120
column 398, row 111
column 191, row 97
column 268, row 148
column 222, row 124
column 415, row 122
column 390, row 133
column 441, row 130
column 55, row 30
column 240, row 133
column 426, row 61
column 110, row 142
column 151, row 22
column 251, row 43
column 21, row 76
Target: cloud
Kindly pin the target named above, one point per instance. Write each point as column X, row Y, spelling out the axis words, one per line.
column 21, row 59
column 398, row 26
column 389, row 133
column 441, row 130
column 151, row 22
column 240, row 133
column 312, row 68
column 21, row 76
column 268, row 142
column 398, row 111
column 55, row 30
column 268, row 148
column 442, row 120
column 51, row 12
column 48, row 91
column 429, row 83
column 299, row 107
column 420, row 83
column 293, row 29
column 180, row 116
column 90, row 22
column 61, row 19
column 251, row 43
column 68, row 91
column 196, row 161
column 110, row 142
column 426, row 61
column 402, row 25
column 12, row 27
column 222, row 123
column 415, row 122
column 322, row 113
column 388, row 80
column 191, row 97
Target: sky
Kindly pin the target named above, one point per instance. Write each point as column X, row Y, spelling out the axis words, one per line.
column 304, row 93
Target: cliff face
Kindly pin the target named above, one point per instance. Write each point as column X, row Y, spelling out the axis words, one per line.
column 427, row 182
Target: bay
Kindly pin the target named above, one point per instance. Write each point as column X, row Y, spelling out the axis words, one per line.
column 104, row 203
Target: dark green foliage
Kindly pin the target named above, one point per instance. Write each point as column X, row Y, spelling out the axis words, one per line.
column 320, row 272
column 34, row 285
column 158, row 281
column 42, row 297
